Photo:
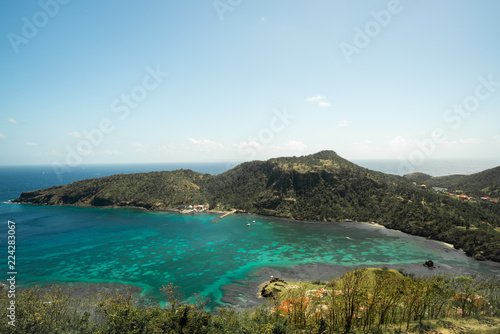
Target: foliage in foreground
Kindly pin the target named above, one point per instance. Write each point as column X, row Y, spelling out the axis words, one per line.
column 360, row 301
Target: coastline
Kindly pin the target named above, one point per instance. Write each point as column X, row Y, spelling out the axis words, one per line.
column 371, row 224
column 244, row 294
column 223, row 214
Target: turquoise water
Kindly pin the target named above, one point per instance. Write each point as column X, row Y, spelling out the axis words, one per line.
column 148, row 249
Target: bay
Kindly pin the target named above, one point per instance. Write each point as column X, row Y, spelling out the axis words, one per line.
column 151, row 249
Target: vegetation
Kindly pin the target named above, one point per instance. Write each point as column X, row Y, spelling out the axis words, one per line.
column 154, row 190
column 485, row 183
column 420, row 178
column 362, row 301
column 322, row 186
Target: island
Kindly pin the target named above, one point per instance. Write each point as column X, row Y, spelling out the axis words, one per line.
column 318, row 187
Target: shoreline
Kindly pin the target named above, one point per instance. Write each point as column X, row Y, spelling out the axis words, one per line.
column 244, row 294
column 223, row 214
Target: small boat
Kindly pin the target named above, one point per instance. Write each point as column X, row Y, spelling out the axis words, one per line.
column 348, row 238
column 248, row 225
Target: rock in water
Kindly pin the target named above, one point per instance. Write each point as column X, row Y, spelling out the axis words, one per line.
column 429, row 264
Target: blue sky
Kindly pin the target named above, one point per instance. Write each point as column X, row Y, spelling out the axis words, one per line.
column 233, row 80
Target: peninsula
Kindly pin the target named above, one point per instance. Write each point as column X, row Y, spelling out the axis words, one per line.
column 320, row 187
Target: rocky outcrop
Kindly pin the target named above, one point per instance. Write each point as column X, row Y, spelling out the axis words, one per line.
column 273, row 288
column 429, row 264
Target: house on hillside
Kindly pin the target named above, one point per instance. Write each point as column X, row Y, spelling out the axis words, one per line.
column 423, row 186
column 486, row 198
column 464, row 197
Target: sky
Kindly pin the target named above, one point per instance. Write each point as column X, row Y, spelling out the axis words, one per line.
column 86, row 82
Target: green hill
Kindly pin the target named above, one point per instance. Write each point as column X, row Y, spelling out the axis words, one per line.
column 485, row 183
column 153, row 191
column 418, row 177
column 321, row 186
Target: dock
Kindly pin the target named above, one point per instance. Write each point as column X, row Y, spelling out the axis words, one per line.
column 216, row 220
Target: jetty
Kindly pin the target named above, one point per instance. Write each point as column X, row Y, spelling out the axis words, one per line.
column 216, row 220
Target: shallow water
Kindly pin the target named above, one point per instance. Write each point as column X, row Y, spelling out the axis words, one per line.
column 151, row 249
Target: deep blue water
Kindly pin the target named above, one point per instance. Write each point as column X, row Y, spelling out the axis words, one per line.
column 150, row 249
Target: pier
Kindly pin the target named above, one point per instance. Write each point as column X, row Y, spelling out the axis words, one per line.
column 216, row 220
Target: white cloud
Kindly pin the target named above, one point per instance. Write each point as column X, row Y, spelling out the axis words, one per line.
column 85, row 151
column 470, row 141
column 156, row 149
column 111, row 152
column 76, row 134
column 206, row 142
column 365, row 149
column 343, row 123
column 202, row 141
column 315, row 98
column 463, row 141
column 291, row 145
column 205, row 145
column 497, row 138
column 12, row 120
column 399, row 143
column 2, row 136
column 364, row 144
column 320, row 100
column 31, row 144
column 246, row 145
column 139, row 147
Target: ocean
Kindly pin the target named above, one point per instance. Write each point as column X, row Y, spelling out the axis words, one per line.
column 151, row 249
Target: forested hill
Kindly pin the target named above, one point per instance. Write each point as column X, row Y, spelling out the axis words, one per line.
column 322, row 186
column 153, row 191
column 485, row 183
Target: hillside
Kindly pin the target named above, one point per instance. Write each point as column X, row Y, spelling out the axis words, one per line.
column 153, row 191
column 321, row 186
column 368, row 300
column 418, row 177
column 485, row 183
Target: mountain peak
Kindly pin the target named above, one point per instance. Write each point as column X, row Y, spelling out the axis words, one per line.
column 325, row 155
